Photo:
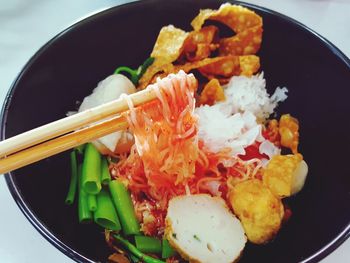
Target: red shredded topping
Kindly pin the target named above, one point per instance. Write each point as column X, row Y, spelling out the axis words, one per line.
column 168, row 159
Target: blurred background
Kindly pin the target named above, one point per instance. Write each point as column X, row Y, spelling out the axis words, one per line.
column 25, row 25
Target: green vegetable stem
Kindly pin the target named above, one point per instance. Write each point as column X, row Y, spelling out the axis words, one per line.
column 80, row 149
column 167, row 250
column 73, row 179
column 133, row 250
column 85, row 215
column 134, row 259
column 135, row 74
column 132, row 73
column 125, row 209
column 105, row 176
column 92, row 202
column 148, row 244
column 91, row 177
column 148, row 62
column 105, row 214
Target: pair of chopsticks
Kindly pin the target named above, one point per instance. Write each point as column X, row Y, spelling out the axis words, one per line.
column 67, row 133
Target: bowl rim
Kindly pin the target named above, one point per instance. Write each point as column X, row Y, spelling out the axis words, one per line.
column 15, row 192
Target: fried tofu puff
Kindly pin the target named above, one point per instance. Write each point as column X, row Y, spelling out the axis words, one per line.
column 258, row 209
column 285, row 175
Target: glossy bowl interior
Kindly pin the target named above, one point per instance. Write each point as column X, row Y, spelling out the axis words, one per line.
column 69, row 67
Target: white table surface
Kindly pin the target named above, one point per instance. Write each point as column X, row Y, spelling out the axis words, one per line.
column 25, row 25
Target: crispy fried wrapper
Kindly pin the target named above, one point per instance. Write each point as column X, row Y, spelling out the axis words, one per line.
column 245, row 23
column 208, row 65
column 199, row 44
column 221, row 68
column 212, row 93
column 154, row 71
column 228, row 66
column 224, row 67
column 169, row 44
column 249, row 65
column 177, row 50
column 167, row 49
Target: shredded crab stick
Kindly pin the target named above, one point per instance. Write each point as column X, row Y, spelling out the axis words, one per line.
column 165, row 132
column 170, row 131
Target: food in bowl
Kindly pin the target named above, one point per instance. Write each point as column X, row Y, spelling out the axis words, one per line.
column 199, row 172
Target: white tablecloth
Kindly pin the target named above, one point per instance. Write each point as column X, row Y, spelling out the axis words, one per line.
column 25, row 25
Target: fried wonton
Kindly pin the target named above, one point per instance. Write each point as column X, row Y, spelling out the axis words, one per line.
column 167, row 49
column 212, row 92
column 203, row 50
column 221, row 68
column 199, row 44
column 246, row 24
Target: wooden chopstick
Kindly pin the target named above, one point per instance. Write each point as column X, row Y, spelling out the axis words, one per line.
column 61, row 144
column 74, row 122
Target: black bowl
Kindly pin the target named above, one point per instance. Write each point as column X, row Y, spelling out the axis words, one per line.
column 68, row 67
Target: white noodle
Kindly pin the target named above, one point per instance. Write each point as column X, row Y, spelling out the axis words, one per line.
column 131, row 107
